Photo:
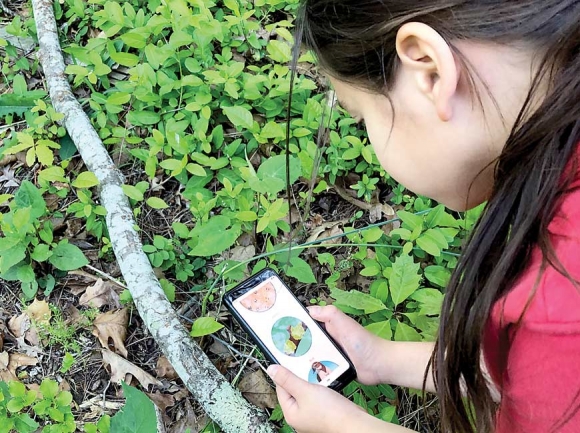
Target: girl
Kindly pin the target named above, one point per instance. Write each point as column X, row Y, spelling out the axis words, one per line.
column 467, row 102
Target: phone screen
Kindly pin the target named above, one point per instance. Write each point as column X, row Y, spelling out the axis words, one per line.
column 289, row 333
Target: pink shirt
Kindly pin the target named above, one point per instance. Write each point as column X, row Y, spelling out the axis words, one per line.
column 541, row 385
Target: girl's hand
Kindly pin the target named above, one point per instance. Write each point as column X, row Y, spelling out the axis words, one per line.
column 361, row 346
column 311, row 408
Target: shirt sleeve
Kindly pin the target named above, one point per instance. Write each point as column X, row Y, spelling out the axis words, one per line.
column 541, row 385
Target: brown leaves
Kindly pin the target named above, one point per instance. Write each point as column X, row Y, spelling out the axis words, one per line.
column 123, row 370
column 257, row 390
column 112, row 326
column 10, row 363
column 99, row 294
column 164, row 369
column 39, row 312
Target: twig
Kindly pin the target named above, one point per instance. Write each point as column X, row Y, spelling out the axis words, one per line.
column 107, row 276
column 224, row 404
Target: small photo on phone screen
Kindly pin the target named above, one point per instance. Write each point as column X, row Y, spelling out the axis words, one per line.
column 289, row 333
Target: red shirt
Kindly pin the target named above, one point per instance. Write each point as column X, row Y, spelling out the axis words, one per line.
column 541, row 385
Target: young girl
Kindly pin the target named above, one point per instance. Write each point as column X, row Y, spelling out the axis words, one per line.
column 467, row 102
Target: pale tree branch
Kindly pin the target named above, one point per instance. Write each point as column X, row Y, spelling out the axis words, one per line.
column 224, row 404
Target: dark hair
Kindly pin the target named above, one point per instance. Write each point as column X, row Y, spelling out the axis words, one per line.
column 354, row 41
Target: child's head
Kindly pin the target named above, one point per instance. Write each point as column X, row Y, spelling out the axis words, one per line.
column 439, row 84
column 464, row 101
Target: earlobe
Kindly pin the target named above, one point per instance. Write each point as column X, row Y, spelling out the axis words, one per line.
column 430, row 59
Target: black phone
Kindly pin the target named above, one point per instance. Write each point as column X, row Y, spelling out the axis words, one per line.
column 285, row 333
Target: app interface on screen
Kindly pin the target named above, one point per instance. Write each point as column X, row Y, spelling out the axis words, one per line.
column 290, row 333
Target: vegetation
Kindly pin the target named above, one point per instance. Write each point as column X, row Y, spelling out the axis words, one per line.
column 190, row 97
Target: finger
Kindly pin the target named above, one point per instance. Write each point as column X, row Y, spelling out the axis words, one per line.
column 291, row 383
column 287, row 402
column 326, row 314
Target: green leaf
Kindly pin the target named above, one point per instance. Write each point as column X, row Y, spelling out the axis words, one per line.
column 404, row 279
column 273, row 172
column 205, row 326
column 300, row 270
column 86, row 179
column 156, row 203
column 143, row 117
column 406, row 333
column 11, row 256
column 17, row 104
column 133, row 192
column 67, row 257
column 213, row 237
column 41, row 253
column 138, row 414
column 125, row 59
column 411, row 221
column 357, row 300
column 430, row 301
column 438, row 275
column 279, row 51
column 49, row 389
column 240, row 117
column 382, row 329
column 30, row 196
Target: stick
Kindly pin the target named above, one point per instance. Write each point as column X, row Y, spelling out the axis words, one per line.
column 219, row 399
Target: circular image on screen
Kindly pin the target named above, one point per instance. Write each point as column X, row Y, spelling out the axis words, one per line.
column 291, row 336
column 260, row 300
column 320, row 370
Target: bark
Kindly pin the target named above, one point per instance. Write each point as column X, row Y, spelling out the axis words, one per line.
column 223, row 403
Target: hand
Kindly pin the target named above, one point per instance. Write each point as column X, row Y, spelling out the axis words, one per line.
column 312, row 408
column 360, row 345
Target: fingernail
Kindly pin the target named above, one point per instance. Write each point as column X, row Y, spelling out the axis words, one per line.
column 272, row 370
column 314, row 309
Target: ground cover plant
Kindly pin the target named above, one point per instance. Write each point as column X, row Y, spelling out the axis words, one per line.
column 190, row 97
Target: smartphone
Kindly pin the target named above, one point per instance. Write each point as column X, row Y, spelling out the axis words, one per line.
column 285, row 333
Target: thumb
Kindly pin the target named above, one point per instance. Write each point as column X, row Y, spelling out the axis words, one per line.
column 328, row 314
column 287, row 380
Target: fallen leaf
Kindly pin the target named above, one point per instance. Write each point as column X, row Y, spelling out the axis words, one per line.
column 121, row 368
column 99, row 294
column 164, row 369
column 379, row 210
column 186, row 421
column 112, row 325
column 162, row 401
column 9, row 177
column 21, row 327
column 257, row 390
column 10, row 363
column 241, row 254
column 39, row 312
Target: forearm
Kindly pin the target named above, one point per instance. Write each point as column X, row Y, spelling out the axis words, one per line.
column 404, row 364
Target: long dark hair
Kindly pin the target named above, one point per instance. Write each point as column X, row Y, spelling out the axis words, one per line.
column 354, row 41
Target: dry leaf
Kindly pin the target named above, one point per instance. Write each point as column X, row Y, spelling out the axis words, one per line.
column 164, row 369
column 257, row 390
column 112, row 325
column 241, row 254
column 99, row 294
column 39, row 312
column 379, row 210
column 10, row 363
column 121, row 368
column 162, row 401
column 186, row 421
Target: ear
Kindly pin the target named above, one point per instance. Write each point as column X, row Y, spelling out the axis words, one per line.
column 429, row 58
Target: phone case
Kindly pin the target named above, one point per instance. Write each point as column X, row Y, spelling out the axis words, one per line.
column 252, row 282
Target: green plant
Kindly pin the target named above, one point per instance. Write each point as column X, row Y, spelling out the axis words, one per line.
column 49, row 406
column 28, row 239
column 59, row 332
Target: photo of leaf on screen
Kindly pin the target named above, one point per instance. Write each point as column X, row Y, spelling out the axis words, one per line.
column 291, row 336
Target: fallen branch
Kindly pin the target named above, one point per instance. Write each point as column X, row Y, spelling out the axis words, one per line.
column 224, row 404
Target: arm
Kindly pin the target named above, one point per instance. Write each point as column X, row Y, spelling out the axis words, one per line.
column 404, row 363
